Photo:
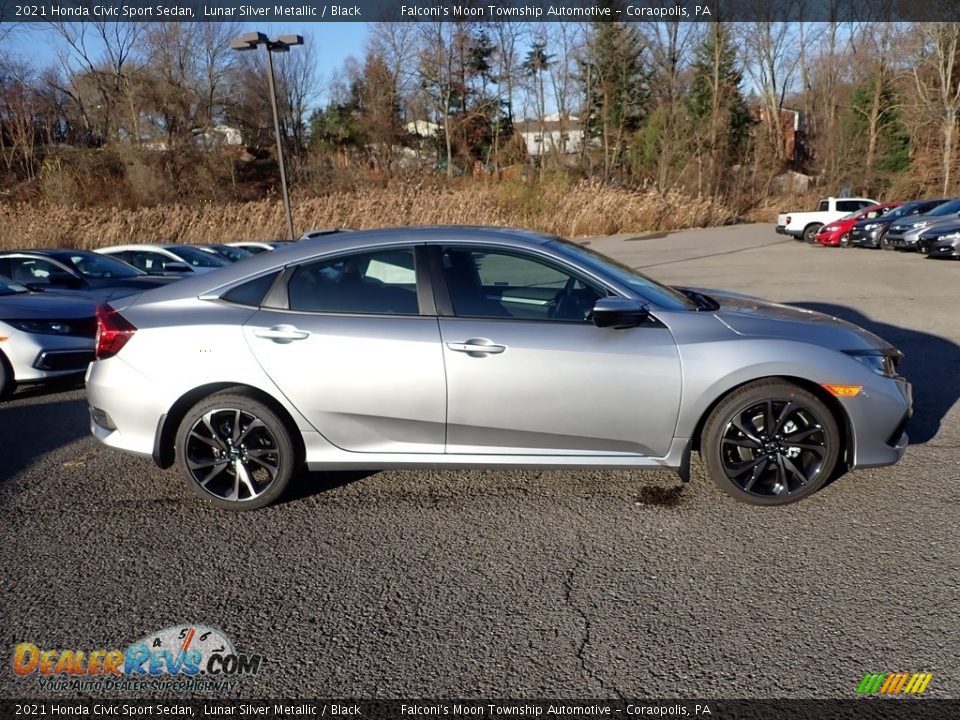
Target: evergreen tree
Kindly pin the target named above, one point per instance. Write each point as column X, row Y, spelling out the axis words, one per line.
column 718, row 113
column 616, row 88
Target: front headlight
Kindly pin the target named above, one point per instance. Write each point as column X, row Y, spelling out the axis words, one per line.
column 872, row 226
column 43, row 327
column 951, row 236
column 881, row 363
column 921, row 224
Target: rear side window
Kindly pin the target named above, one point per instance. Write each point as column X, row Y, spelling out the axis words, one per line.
column 251, row 292
column 850, row 205
column 824, row 206
column 378, row 283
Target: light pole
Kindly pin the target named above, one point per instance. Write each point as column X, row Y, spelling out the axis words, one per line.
column 250, row 41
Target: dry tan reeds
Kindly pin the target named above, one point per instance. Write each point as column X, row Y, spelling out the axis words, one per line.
column 569, row 210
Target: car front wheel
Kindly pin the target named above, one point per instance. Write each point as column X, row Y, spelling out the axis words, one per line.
column 770, row 443
column 235, row 452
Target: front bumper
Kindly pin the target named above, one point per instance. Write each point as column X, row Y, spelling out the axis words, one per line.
column 941, row 249
column 904, row 240
column 878, row 418
column 861, row 237
column 35, row 357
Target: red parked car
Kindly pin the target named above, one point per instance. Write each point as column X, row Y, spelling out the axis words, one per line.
column 838, row 232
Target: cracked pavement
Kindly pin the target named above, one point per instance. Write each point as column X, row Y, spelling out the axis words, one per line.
column 577, row 584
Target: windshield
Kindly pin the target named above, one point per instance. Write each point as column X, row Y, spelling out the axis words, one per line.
column 9, row 287
column 233, row 254
column 948, row 208
column 661, row 295
column 94, row 265
column 904, row 210
column 197, row 258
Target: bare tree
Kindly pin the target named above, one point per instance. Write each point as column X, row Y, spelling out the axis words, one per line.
column 770, row 59
column 936, row 76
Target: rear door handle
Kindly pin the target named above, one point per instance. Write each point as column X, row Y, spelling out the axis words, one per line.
column 477, row 347
column 282, row 333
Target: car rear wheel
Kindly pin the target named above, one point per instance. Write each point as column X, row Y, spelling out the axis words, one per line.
column 770, row 443
column 235, row 452
column 810, row 231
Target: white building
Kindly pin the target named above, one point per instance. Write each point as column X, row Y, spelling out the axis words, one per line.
column 555, row 133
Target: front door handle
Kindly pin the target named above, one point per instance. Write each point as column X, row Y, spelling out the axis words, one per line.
column 282, row 334
column 477, row 347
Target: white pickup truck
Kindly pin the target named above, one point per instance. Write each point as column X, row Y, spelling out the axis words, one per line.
column 804, row 225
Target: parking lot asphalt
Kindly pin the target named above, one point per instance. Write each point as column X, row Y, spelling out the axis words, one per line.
column 525, row 584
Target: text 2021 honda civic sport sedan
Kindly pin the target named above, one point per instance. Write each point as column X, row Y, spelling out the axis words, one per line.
column 483, row 347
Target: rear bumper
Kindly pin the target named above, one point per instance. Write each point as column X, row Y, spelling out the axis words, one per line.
column 783, row 230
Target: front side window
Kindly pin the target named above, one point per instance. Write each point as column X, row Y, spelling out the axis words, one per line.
column 381, row 282
column 500, row 284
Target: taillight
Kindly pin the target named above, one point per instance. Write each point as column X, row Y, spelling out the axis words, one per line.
column 789, row 219
column 113, row 331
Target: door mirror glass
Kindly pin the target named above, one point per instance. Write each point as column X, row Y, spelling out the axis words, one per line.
column 618, row 312
column 176, row 267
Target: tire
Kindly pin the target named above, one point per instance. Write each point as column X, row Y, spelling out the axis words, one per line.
column 810, row 230
column 210, row 437
column 883, row 243
column 7, row 382
column 845, row 240
column 735, row 443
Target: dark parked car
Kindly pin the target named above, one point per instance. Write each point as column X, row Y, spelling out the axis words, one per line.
column 75, row 272
column 941, row 241
column 227, row 252
column 904, row 234
column 871, row 232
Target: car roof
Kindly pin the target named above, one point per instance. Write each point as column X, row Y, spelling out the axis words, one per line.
column 135, row 246
column 44, row 251
column 331, row 244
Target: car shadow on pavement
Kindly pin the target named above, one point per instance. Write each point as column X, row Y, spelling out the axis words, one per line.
column 309, row 483
column 931, row 363
column 30, row 431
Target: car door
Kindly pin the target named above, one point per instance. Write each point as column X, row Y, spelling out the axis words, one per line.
column 528, row 373
column 346, row 342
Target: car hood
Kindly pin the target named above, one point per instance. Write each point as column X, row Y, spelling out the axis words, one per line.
column 935, row 222
column 872, row 221
column 751, row 316
column 44, row 306
column 943, row 228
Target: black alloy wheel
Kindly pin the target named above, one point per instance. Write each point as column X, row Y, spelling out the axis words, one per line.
column 771, row 443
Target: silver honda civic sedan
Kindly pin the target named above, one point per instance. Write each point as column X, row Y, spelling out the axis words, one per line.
column 483, row 347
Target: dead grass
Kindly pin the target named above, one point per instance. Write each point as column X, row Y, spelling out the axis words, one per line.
column 557, row 207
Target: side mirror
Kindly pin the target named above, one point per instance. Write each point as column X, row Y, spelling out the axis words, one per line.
column 619, row 313
column 175, row 267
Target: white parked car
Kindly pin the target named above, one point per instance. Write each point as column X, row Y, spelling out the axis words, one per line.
column 181, row 260
column 257, row 247
column 803, row 225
